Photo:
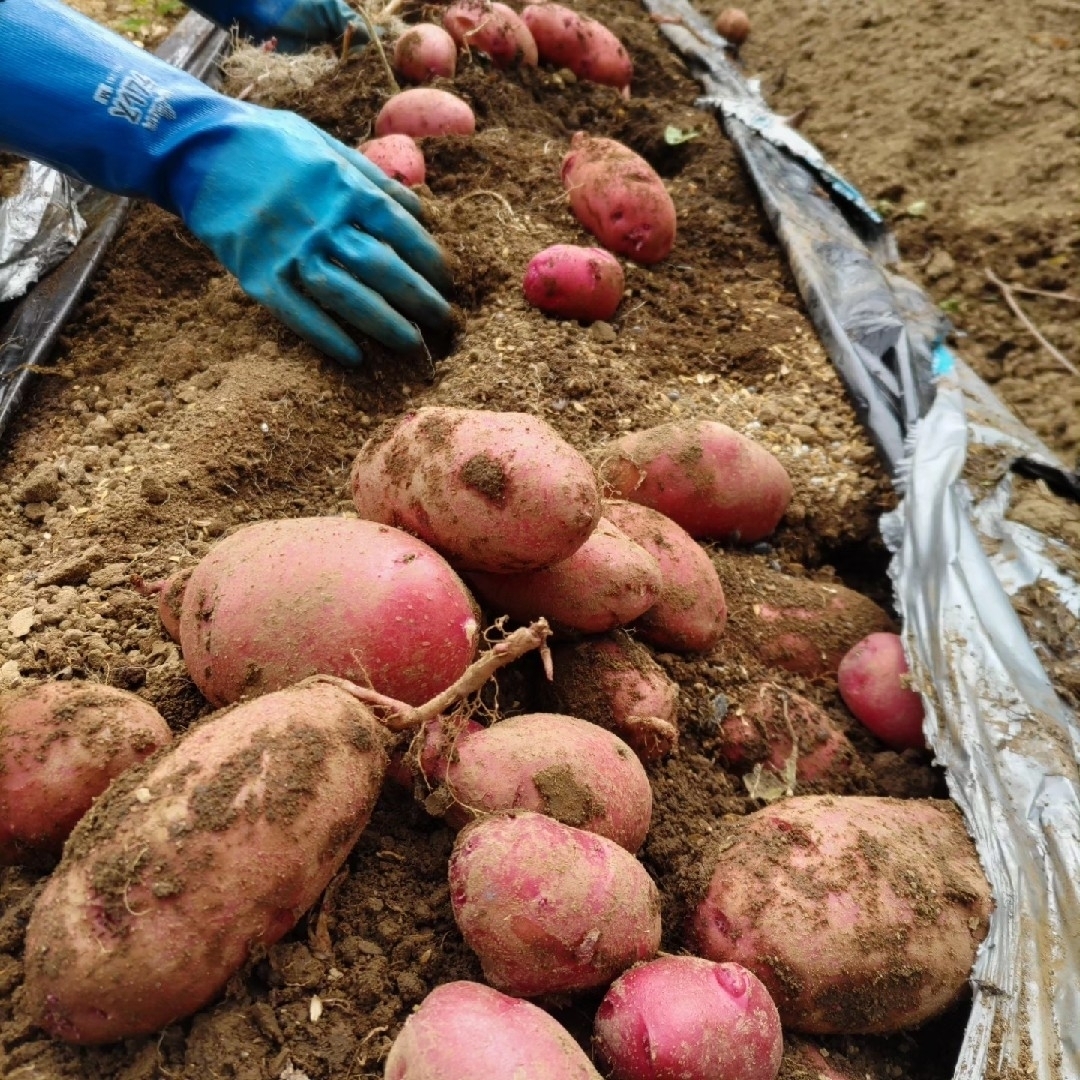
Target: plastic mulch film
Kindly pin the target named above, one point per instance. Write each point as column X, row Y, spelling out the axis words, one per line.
column 29, row 334
column 962, row 568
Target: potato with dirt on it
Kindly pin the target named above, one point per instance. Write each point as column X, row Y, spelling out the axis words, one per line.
column 493, row 491
column 61, row 745
column 567, row 39
column 615, row 682
column 703, row 475
column 425, row 52
column 608, row 582
column 493, row 29
column 876, row 908
column 574, row 282
column 691, row 613
column 549, row 908
column 398, row 156
column 425, row 111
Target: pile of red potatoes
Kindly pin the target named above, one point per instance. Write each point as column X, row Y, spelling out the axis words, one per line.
column 340, row 649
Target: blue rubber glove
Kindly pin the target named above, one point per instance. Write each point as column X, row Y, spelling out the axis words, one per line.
column 307, row 225
column 296, row 24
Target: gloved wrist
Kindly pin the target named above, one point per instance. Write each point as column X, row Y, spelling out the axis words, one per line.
column 294, row 24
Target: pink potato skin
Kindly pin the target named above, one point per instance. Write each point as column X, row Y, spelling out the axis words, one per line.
column 187, row 862
column 615, row 682
column 584, row 283
column 425, row 111
column 549, row 908
column 280, row 600
column 617, row 196
column 61, row 745
column 428, row 752
column 398, row 156
column 493, row 29
column 425, row 52
column 464, row 1030
column 589, row 49
column 496, row 491
column 876, row 909
column 703, row 475
column 573, row 771
column 608, row 582
column 691, row 613
column 685, row 1018
column 761, row 732
column 870, row 680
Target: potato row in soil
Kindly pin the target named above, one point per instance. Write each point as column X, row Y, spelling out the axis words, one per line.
column 178, row 410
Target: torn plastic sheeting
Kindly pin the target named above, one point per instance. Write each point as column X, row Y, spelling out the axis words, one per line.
column 1009, row 744
column 39, row 225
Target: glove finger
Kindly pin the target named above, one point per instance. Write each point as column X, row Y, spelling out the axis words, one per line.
column 380, row 269
column 306, row 319
column 364, row 308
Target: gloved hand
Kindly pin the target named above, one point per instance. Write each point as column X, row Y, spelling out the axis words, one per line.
column 296, row 24
column 307, row 225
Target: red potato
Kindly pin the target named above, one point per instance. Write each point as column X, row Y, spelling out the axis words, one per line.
column 573, row 771
column 398, row 156
column 549, row 908
column 425, row 52
column 61, row 745
column 584, row 283
column 691, row 613
column 589, row 49
column 619, row 198
column 871, row 681
column 464, row 1030
column 428, row 753
column 425, row 111
column 608, row 582
column 280, row 600
column 615, row 682
column 685, row 1018
column 875, row 910
column 495, row 491
column 707, row 477
column 185, row 864
column 493, row 29
column 734, row 25
column 774, row 724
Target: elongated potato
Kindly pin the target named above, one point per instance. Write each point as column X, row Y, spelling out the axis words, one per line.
column 61, row 745
column 549, row 908
column 566, row 38
column 703, row 475
column 280, row 600
column 493, row 29
column 875, row 908
column 609, row 581
column 691, row 613
column 188, row 862
column 573, row 771
column 491, row 490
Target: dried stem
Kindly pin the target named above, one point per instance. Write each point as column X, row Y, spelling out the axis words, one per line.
column 1018, row 311
column 1027, row 290
column 402, row 717
column 372, row 33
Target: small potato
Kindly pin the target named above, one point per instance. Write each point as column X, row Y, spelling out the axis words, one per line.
column 465, row 1030
column 573, row 771
column 707, row 477
column 425, row 111
column 608, row 582
column 425, row 52
column 493, row 29
column 691, row 613
column 567, row 39
column 734, row 25
column 773, row 724
column 211, row 849
column 495, row 491
column 871, row 683
column 875, row 909
column 548, row 908
column 280, row 600
column 584, row 283
column 398, row 156
column 615, row 682
column 619, row 198
column 61, row 745
column 685, row 1018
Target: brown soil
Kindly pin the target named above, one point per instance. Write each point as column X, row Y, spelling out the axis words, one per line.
column 178, row 410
